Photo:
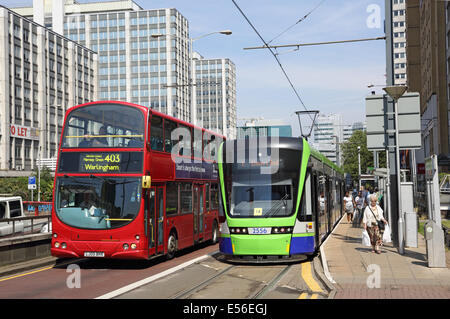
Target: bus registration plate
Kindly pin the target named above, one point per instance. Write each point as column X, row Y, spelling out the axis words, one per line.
column 260, row 231
column 94, row 254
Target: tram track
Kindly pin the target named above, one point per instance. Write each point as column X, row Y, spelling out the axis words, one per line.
column 260, row 293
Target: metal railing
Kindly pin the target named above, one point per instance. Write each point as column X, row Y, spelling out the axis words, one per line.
column 30, row 228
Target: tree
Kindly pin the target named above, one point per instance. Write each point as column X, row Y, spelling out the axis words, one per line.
column 18, row 186
column 350, row 155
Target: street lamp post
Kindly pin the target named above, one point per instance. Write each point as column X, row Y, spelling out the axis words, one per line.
column 395, row 92
column 359, row 167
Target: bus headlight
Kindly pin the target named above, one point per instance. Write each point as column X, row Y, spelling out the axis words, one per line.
column 125, row 246
column 56, row 245
column 63, row 245
column 133, row 246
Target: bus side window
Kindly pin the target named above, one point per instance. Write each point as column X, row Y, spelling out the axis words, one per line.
column 156, row 134
column 169, row 126
column 214, row 196
column 207, row 194
column 197, row 143
column 171, row 198
column 186, row 198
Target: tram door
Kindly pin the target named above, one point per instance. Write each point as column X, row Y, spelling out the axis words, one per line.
column 156, row 209
column 199, row 205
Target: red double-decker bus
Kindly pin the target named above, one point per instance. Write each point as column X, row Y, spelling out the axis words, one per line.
column 129, row 185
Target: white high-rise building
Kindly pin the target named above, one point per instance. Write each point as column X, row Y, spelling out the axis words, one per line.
column 42, row 74
column 143, row 54
column 214, row 95
column 399, row 39
column 330, row 132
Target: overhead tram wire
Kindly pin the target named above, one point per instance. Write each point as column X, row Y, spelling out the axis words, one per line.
column 300, row 20
column 274, row 55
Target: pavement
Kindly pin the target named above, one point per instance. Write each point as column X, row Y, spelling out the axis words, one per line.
column 355, row 272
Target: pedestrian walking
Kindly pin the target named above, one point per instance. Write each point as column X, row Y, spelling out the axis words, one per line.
column 349, row 206
column 359, row 201
column 372, row 215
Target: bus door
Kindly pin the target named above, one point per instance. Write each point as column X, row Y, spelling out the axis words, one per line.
column 156, row 218
column 199, row 208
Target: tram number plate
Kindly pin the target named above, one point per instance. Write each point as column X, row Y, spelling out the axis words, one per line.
column 260, row 231
column 94, row 254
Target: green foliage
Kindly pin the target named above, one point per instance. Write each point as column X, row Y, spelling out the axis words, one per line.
column 18, row 186
column 350, row 155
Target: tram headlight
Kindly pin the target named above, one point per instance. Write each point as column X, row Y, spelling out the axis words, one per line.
column 239, row 230
column 281, row 230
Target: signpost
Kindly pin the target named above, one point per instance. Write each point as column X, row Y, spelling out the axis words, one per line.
column 32, row 185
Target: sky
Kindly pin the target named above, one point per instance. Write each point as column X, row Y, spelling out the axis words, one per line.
column 328, row 78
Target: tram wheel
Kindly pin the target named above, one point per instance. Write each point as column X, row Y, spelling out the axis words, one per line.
column 171, row 245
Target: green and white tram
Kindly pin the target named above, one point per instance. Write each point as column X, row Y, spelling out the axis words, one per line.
column 279, row 199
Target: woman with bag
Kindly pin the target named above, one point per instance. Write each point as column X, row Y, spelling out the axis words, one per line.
column 349, row 206
column 374, row 223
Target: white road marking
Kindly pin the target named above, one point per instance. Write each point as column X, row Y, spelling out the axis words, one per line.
column 145, row 281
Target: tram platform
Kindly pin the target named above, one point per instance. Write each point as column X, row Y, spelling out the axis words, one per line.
column 357, row 273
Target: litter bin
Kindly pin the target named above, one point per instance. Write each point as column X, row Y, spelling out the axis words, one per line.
column 411, row 229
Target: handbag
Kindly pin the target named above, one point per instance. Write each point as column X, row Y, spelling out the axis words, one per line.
column 379, row 222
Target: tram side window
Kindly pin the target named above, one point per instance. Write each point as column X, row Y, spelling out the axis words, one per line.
column 306, row 204
column 171, row 198
column 186, row 198
column 169, row 127
column 214, row 196
column 156, row 134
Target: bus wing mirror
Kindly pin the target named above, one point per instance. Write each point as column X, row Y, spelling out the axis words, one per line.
column 146, row 182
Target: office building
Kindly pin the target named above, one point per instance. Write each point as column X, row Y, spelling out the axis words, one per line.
column 214, row 95
column 428, row 57
column 42, row 74
column 330, row 132
column 143, row 54
column 263, row 128
column 399, row 41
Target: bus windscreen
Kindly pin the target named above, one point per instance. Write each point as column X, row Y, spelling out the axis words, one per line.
column 103, row 126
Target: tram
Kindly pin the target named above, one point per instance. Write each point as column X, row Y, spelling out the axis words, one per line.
column 279, row 199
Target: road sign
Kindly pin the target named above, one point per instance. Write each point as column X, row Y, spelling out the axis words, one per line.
column 32, row 182
column 408, row 122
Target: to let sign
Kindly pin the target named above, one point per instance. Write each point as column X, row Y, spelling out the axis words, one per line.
column 24, row 132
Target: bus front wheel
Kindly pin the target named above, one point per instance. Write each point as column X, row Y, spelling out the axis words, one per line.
column 171, row 245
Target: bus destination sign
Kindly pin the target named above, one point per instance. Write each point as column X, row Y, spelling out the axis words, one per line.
column 101, row 162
